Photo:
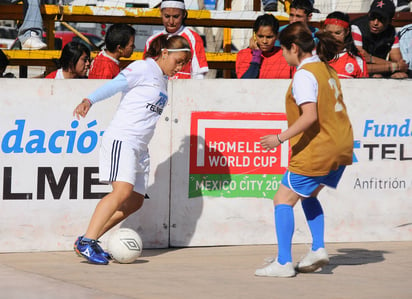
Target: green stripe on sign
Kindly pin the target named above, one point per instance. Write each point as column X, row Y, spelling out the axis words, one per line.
column 234, row 185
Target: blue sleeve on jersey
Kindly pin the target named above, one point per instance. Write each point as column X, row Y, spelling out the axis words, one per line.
column 119, row 83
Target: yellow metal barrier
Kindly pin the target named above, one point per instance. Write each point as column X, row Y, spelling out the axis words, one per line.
column 47, row 58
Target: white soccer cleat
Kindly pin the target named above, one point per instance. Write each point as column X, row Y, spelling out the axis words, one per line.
column 274, row 269
column 33, row 42
column 313, row 261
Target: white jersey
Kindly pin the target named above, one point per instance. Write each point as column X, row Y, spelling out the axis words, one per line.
column 305, row 85
column 141, row 104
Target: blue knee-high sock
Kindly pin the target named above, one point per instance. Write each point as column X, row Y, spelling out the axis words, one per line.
column 285, row 226
column 316, row 221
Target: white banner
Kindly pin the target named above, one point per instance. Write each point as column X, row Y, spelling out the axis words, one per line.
column 49, row 176
column 49, row 167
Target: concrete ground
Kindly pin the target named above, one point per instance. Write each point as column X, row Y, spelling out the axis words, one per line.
column 356, row 270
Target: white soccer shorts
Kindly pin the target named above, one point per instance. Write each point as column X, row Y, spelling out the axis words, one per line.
column 119, row 162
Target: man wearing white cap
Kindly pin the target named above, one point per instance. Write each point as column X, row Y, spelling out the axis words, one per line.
column 173, row 14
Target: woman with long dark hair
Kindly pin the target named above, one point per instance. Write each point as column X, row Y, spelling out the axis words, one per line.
column 349, row 63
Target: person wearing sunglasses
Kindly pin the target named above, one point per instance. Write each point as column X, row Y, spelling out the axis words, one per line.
column 376, row 39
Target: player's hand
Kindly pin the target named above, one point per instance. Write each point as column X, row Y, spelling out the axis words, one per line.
column 269, row 142
column 82, row 108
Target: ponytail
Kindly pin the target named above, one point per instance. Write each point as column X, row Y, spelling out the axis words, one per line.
column 299, row 34
column 328, row 46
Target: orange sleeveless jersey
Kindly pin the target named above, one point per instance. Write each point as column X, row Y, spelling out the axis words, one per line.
column 328, row 143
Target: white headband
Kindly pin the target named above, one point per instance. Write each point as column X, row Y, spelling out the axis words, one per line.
column 172, row 4
column 178, row 50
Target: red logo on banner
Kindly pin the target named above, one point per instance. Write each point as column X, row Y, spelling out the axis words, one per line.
column 229, row 142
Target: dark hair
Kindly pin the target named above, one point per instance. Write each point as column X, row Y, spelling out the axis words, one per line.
column 306, row 5
column 299, row 34
column 349, row 43
column 4, row 61
column 71, row 54
column 118, row 35
column 266, row 20
column 166, row 42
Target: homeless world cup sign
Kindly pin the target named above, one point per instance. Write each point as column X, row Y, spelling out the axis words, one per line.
column 226, row 159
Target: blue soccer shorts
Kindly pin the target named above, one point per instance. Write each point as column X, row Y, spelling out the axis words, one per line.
column 304, row 186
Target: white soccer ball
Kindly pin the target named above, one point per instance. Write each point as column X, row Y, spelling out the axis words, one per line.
column 125, row 245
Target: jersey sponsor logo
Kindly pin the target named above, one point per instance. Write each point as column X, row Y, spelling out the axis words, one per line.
column 349, row 68
column 159, row 105
column 154, row 108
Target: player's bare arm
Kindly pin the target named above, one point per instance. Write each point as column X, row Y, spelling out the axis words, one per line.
column 308, row 117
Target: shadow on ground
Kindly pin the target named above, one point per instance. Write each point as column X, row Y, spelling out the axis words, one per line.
column 353, row 257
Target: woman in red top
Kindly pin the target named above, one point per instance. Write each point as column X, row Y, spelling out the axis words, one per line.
column 74, row 62
column 349, row 63
column 262, row 59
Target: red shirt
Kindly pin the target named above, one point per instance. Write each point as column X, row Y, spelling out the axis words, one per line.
column 272, row 66
column 104, row 67
column 198, row 64
column 348, row 66
column 52, row 75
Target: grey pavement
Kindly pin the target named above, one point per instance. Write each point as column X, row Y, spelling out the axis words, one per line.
column 356, row 270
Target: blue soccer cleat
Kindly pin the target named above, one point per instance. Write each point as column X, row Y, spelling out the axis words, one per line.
column 76, row 243
column 92, row 252
column 100, row 249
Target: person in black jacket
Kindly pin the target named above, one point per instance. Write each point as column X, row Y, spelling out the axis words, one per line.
column 376, row 39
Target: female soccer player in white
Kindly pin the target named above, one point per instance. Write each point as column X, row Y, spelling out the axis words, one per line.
column 321, row 139
column 124, row 158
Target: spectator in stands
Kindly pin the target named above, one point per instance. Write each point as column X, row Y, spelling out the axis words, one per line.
column 349, row 63
column 74, row 62
column 31, row 31
column 4, row 62
column 402, row 5
column 272, row 5
column 405, row 43
column 300, row 11
column 173, row 14
column 262, row 59
column 376, row 39
column 119, row 42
